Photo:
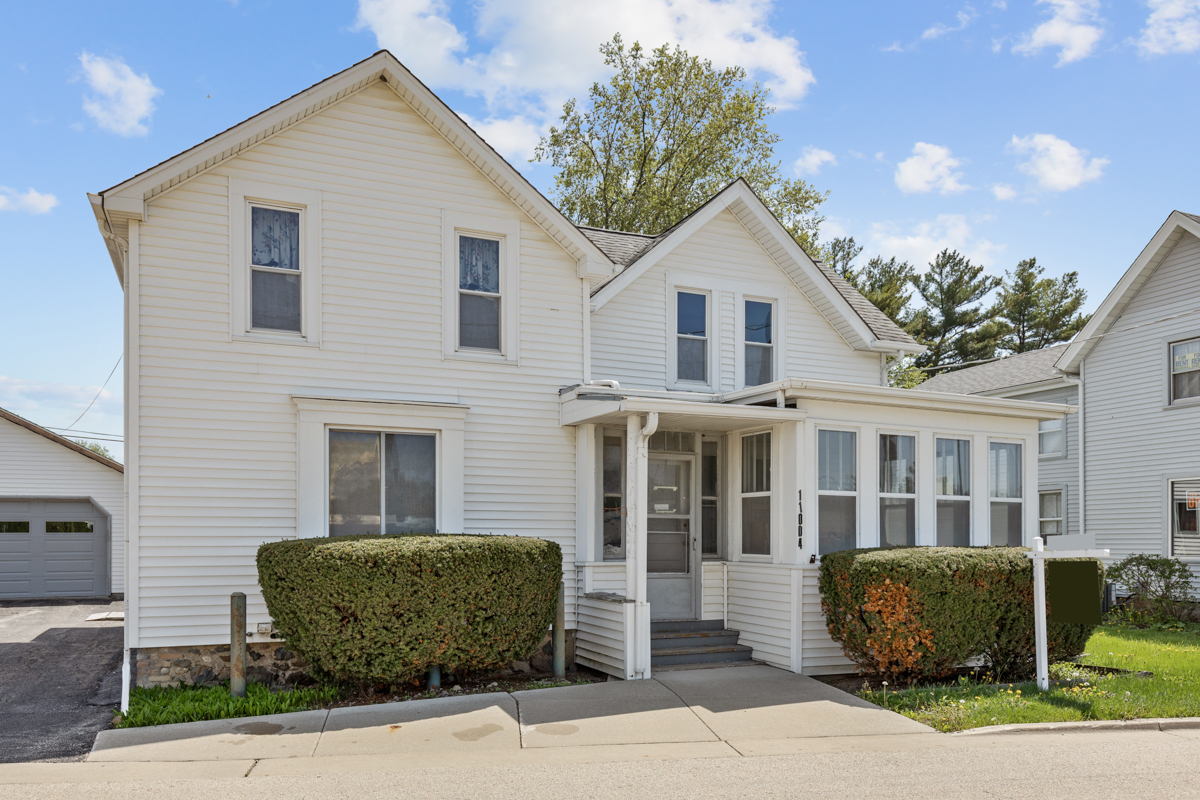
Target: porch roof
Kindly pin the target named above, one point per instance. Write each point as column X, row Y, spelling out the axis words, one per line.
column 582, row 406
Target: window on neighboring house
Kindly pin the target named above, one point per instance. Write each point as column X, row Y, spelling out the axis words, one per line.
column 275, row 274
column 691, row 353
column 381, row 483
column 1185, row 370
column 1185, row 507
column 756, row 494
column 837, row 491
column 1050, row 437
column 478, row 293
column 1005, row 492
column 613, row 484
column 952, row 486
column 897, row 490
column 710, row 497
column 760, row 349
column 1050, row 514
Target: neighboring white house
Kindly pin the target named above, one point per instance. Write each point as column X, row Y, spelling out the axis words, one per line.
column 348, row 314
column 62, row 516
column 1134, row 374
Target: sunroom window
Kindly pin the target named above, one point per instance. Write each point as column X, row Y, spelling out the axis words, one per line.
column 691, row 346
column 275, row 274
column 952, row 484
column 897, row 490
column 1004, row 489
column 1185, row 370
column 760, row 349
column 613, row 514
column 837, row 491
column 382, row 483
column 478, row 293
column 756, row 494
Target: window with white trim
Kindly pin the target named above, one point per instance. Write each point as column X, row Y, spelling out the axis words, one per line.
column 479, row 297
column 612, row 519
column 758, row 343
column 1185, row 370
column 1050, row 514
column 1051, row 441
column 276, row 302
column 756, row 494
column 1185, row 519
column 710, row 496
column 837, row 491
column 1005, row 493
column 952, row 488
column 691, row 337
column 897, row 490
column 481, row 257
column 382, row 483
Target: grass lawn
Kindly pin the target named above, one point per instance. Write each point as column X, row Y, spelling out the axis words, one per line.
column 1174, row 691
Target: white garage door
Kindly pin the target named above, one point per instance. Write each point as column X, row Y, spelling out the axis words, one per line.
column 52, row 548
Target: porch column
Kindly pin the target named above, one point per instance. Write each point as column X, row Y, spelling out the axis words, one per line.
column 637, row 496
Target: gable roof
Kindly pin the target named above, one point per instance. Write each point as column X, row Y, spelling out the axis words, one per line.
column 854, row 316
column 54, row 437
column 1176, row 225
column 116, row 206
column 1034, row 367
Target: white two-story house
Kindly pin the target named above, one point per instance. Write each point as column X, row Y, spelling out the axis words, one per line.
column 349, row 315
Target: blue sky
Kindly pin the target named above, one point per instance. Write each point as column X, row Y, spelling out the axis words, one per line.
column 1058, row 129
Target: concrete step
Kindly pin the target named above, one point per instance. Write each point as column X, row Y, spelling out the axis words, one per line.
column 700, row 655
column 674, row 639
column 686, row 625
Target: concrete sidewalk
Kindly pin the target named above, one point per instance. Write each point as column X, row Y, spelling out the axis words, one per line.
column 705, row 713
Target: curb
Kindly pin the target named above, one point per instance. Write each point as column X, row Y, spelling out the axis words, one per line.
column 1163, row 724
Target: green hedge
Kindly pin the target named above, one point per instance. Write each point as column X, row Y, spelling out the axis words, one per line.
column 385, row 608
column 913, row 613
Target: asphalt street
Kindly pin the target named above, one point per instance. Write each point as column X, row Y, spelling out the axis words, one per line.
column 59, row 678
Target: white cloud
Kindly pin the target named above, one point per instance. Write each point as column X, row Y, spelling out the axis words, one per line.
column 964, row 17
column 880, row 156
column 1002, row 191
column 999, row 5
column 930, row 167
column 50, row 402
column 894, row 47
column 1172, row 27
column 526, row 57
column 30, row 200
column 514, row 138
column 1074, row 27
column 921, row 243
column 1056, row 163
column 812, row 159
column 123, row 100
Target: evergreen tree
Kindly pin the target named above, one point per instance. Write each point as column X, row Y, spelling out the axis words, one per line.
column 1037, row 312
column 953, row 323
column 885, row 284
column 840, row 254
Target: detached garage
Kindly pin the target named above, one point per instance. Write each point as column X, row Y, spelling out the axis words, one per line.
column 62, row 516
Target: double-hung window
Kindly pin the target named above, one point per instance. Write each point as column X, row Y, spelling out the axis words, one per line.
column 710, row 497
column 613, row 484
column 382, row 483
column 479, row 300
column 1185, row 519
column 1185, row 370
column 897, row 490
column 691, row 344
column 1005, row 493
column 837, row 491
column 756, row 494
column 276, row 298
column 952, row 485
column 1050, row 437
column 759, row 344
column 1050, row 514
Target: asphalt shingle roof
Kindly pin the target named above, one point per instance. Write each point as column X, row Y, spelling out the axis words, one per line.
column 1032, row 367
column 621, row 248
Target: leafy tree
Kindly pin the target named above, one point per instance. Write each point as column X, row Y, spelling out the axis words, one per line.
column 664, row 135
column 95, row 447
column 953, row 323
column 1038, row 312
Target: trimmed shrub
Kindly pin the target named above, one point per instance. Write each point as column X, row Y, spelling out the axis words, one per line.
column 920, row 612
column 383, row 609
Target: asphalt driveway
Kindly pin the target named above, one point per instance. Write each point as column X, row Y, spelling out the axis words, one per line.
column 60, row 678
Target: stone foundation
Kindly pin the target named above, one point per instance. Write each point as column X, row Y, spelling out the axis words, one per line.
column 271, row 663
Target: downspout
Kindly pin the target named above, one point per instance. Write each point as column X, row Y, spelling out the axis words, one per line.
column 635, row 540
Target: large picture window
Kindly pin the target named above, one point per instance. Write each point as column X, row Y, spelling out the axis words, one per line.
column 1185, row 519
column 1185, row 370
column 1005, row 492
column 759, row 344
column 479, row 297
column 275, row 274
column 691, row 345
column 952, row 485
column 756, row 494
column 382, row 483
column 897, row 490
column 837, row 491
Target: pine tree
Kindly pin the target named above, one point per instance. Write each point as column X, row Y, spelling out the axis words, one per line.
column 840, row 254
column 885, row 284
column 1037, row 312
column 953, row 323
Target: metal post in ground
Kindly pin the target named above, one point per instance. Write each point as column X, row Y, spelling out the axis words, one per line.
column 560, row 634
column 435, row 677
column 237, row 644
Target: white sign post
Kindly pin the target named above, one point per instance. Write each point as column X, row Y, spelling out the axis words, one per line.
column 1039, row 556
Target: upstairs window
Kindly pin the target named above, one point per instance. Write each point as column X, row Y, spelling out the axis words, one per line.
column 897, row 490
column 760, row 350
column 1185, row 370
column 478, row 293
column 691, row 353
column 275, row 274
column 1050, row 437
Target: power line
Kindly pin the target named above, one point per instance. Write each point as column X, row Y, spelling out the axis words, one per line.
column 97, row 397
column 93, row 433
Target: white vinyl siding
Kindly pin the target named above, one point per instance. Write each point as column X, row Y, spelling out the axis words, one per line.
column 1062, row 472
column 217, row 434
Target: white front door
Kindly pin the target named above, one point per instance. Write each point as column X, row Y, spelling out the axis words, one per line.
column 672, row 543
